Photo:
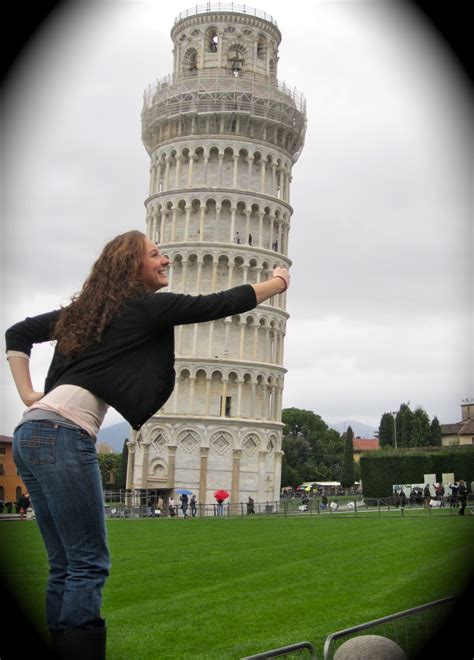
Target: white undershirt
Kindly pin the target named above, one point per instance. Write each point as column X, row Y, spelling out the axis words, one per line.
column 73, row 403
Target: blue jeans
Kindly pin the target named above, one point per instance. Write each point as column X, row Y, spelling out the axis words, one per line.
column 59, row 467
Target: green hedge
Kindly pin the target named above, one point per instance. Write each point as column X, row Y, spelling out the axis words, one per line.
column 379, row 470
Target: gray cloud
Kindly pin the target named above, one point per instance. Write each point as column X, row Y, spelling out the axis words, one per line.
column 381, row 238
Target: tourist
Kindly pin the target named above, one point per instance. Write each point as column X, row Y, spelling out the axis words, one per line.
column 114, row 347
column 462, row 496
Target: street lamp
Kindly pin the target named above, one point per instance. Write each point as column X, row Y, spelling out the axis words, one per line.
column 394, row 415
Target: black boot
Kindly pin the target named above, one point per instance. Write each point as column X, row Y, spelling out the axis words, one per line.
column 80, row 643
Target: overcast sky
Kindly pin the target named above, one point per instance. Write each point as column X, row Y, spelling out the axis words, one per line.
column 381, row 241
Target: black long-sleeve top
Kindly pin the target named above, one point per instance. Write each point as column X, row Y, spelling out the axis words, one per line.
column 132, row 367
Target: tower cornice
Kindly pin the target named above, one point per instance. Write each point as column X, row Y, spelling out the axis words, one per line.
column 211, row 192
column 222, row 13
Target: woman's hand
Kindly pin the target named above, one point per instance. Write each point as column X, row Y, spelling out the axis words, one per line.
column 278, row 283
column 283, row 274
column 31, row 397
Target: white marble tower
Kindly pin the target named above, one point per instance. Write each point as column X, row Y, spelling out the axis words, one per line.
column 222, row 134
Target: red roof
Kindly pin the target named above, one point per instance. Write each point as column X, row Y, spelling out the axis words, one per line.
column 364, row 444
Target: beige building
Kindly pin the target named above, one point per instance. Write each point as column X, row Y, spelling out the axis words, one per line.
column 223, row 135
column 361, row 445
column 11, row 485
column 460, row 433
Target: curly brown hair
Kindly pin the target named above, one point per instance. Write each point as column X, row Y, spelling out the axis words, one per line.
column 115, row 277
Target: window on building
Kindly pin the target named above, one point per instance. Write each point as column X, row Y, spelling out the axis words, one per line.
column 2, row 471
column 212, row 40
column 2, row 451
column 228, row 406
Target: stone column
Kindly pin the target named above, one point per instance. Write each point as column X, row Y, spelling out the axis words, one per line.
column 131, row 463
column 243, row 325
column 191, row 394
column 171, row 465
column 176, row 393
column 215, row 263
column 185, row 270
column 255, row 341
column 239, row 397
column 201, row 223
column 253, row 399
column 190, row 172
column 262, row 460
column 218, row 220
column 233, row 211
column 203, row 475
column 152, row 176
column 173, row 224
column 236, row 169
column 208, row 393
column 260, row 228
column 146, row 455
column 272, row 219
column 186, row 222
column 262, row 176
column 273, row 190
column 178, row 171
column 199, row 275
column 264, row 401
column 234, row 491
column 195, row 336
column 224, row 396
column 211, row 337
column 219, row 172
column 247, row 226
column 250, row 160
column 277, row 475
column 279, row 228
column 167, row 173
column 162, row 230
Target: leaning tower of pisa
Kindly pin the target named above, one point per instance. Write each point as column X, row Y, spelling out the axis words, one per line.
column 222, row 135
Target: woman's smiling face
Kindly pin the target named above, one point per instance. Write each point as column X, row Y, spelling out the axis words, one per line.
column 154, row 268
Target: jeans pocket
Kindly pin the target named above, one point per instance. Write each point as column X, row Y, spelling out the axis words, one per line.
column 37, row 443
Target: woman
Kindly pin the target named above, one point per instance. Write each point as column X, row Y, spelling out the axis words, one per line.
column 114, row 347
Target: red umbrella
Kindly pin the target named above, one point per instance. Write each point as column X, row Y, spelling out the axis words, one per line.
column 221, row 494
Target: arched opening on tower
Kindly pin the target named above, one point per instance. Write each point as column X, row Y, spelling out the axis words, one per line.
column 212, row 40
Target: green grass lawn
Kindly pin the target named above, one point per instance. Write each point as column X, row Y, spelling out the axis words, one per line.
column 224, row 588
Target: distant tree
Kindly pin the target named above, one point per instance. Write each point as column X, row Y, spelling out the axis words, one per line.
column 104, row 448
column 420, row 429
column 312, row 451
column 386, row 429
column 404, row 423
column 413, row 428
column 109, row 466
column 347, row 473
column 122, row 472
column 436, row 436
column 289, row 476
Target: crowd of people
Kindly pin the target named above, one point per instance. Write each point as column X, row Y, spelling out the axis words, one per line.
column 157, row 508
column 456, row 498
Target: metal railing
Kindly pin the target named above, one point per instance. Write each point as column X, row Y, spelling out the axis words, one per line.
column 130, row 507
column 410, row 629
column 219, row 81
column 225, row 7
column 135, row 504
column 284, row 651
